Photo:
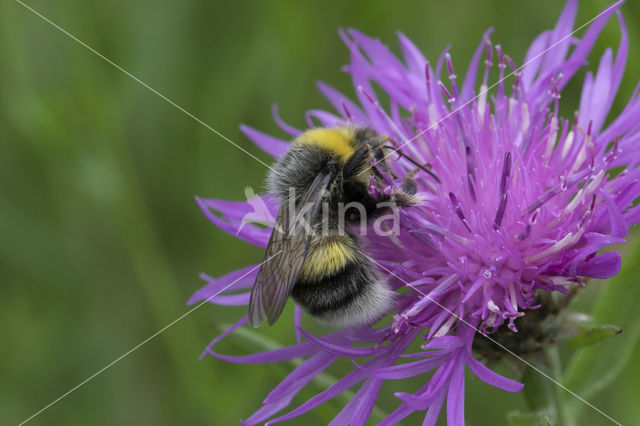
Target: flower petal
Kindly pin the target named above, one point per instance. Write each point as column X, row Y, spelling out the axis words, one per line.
column 404, row 371
column 280, row 122
column 351, row 379
column 242, row 278
column 342, row 104
column 273, row 146
column 302, row 374
column 275, row 355
column 434, row 409
column 601, row 267
column 341, row 350
column 470, row 79
column 235, row 219
column 358, row 410
column 455, row 396
column 490, row 377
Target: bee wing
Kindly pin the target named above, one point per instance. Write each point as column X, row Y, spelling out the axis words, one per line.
column 285, row 254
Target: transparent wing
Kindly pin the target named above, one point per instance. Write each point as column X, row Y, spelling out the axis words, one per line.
column 285, row 254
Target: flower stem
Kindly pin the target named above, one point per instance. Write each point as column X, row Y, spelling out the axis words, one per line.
column 557, row 396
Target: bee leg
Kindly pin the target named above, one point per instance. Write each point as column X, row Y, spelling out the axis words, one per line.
column 381, row 159
column 377, row 146
column 407, row 195
column 409, row 185
column 426, row 167
column 403, row 198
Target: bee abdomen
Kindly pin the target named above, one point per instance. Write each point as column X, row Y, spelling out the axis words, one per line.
column 353, row 295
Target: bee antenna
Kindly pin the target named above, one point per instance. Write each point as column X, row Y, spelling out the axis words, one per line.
column 414, row 162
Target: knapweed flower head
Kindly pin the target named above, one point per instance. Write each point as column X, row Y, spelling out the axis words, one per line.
column 527, row 198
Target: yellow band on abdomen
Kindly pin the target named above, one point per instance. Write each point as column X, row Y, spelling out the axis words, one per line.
column 327, row 256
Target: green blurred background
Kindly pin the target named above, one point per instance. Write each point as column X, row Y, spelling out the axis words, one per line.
column 101, row 241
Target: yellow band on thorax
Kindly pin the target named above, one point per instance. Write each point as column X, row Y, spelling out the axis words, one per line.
column 336, row 140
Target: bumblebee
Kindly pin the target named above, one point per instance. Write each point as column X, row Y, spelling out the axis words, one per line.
column 312, row 255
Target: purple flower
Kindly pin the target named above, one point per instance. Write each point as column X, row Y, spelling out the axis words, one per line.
column 526, row 201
